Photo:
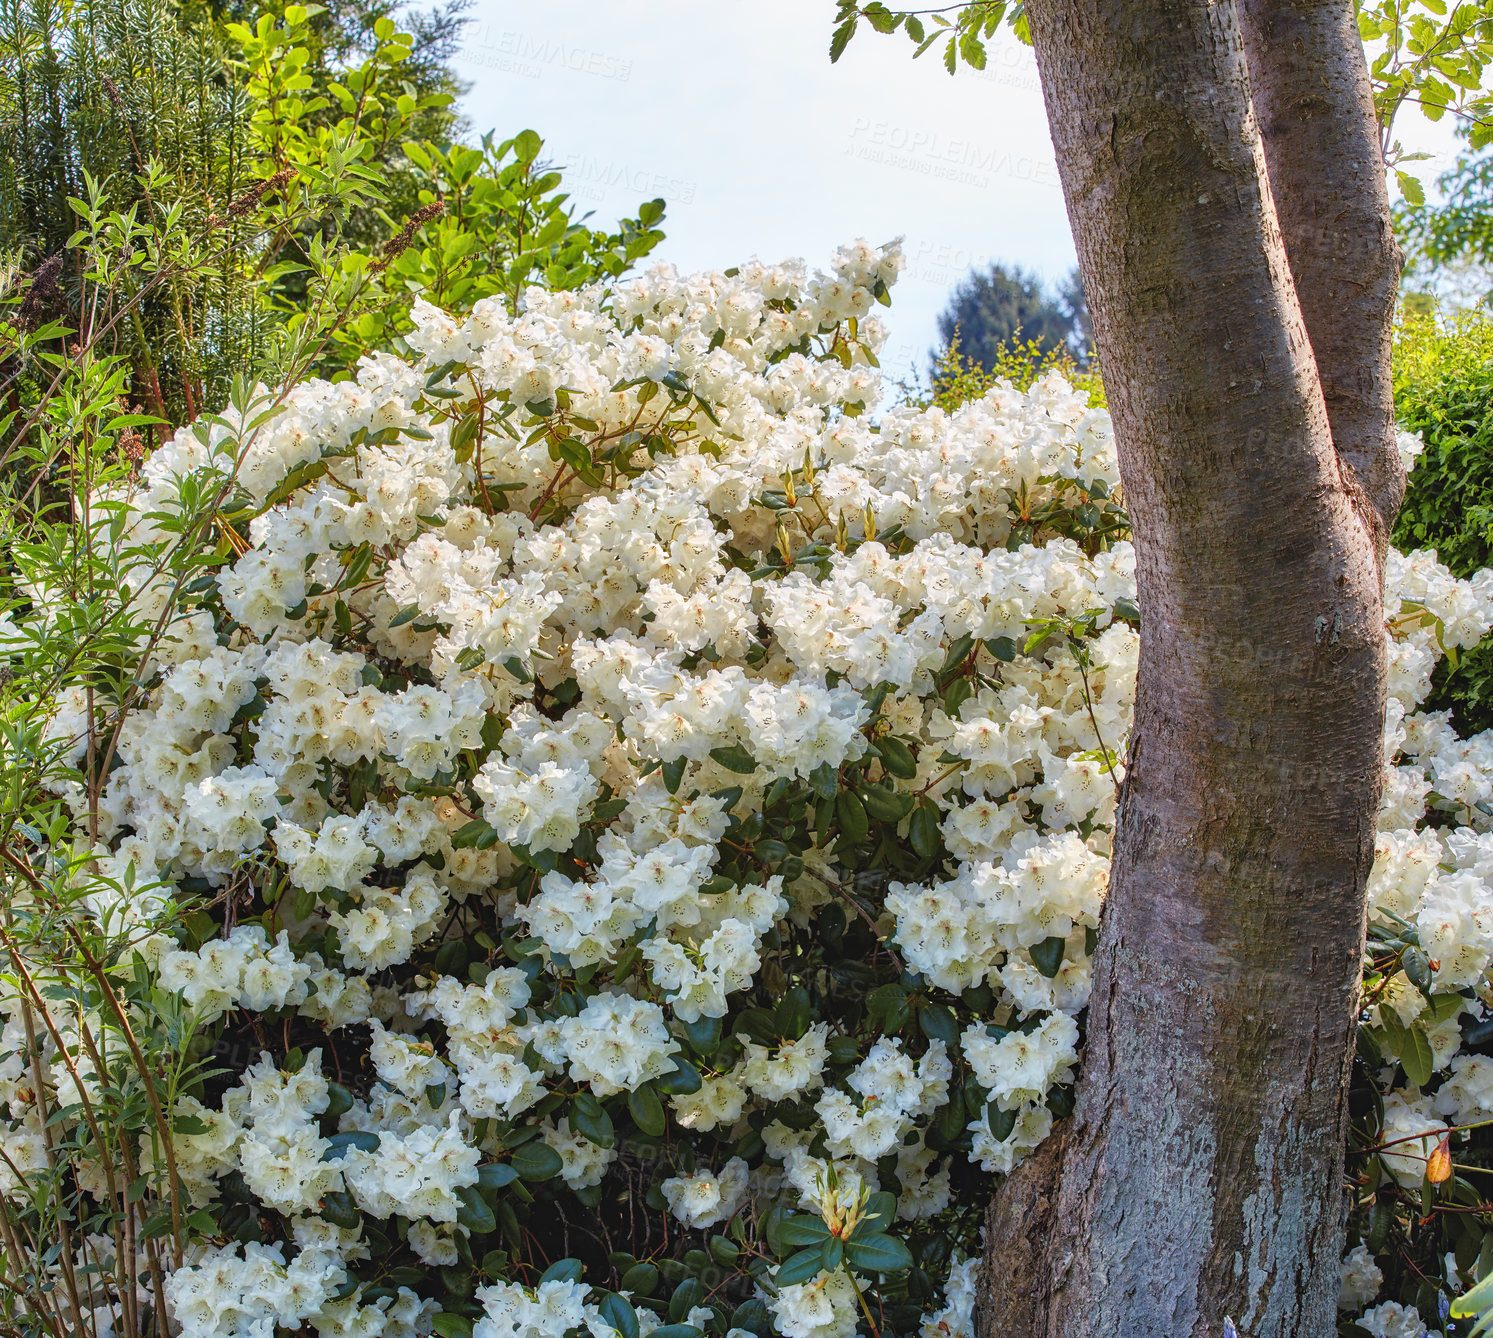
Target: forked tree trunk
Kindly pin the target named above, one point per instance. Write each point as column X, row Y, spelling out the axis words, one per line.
column 1200, row 1178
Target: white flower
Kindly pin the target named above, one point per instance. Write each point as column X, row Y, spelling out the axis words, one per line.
column 1359, row 1279
column 824, row 1307
column 1019, row 1067
column 705, row 1198
column 1393, row 1320
column 618, row 1043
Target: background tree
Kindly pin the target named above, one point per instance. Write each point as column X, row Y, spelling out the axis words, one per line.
column 1449, row 242
column 993, row 305
column 303, row 130
column 102, row 89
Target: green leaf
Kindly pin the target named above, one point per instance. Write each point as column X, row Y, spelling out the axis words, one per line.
column 959, row 692
column 1411, row 189
column 689, row 1293
column 735, row 758
column 536, row 1161
column 1047, row 956
column 824, row 780
column 640, row 1279
column 451, row 1325
column 724, row 1250
column 791, row 1016
column 562, row 1270
column 958, row 652
column 620, row 1315
column 1418, row 969
column 589, row 1118
column 365, row 1140
column 339, row 1101
column 841, row 39
column 888, row 1006
column 881, row 1212
column 647, row 1111
column 495, row 1175
column 923, row 831
column 801, row 1229
column 1416, row 1057
column 573, row 453
column 799, row 1268
column 464, row 436
column 938, row 1024
column 673, row 773
column 897, row 758
column 751, row 1316
column 339, row 1209
column 478, row 834
column 854, row 826
column 704, row 1033
column 878, row 1254
column 472, row 1211
column 683, row 1081
column 1476, row 1301
column 886, row 805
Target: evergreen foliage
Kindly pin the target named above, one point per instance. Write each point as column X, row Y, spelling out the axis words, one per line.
column 1001, row 303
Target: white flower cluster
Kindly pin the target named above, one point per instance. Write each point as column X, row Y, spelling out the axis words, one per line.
column 561, row 697
column 225, row 1293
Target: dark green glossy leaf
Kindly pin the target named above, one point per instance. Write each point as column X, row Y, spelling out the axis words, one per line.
column 647, row 1111
column 619, row 1314
column 735, row 758
column 1047, row 956
column 802, row 1229
column 878, row 1254
column 536, row 1161
column 472, row 1211
column 799, row 1268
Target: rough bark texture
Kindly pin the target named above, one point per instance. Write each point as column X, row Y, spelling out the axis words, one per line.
column 1198, row 1178
column 1310, row 88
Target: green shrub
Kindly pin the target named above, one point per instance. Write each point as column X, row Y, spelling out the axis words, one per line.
column 1443, row 368
column 959, row 378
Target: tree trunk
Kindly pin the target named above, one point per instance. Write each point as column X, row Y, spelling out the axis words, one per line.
column 1200, row 1177
column 1313, row 101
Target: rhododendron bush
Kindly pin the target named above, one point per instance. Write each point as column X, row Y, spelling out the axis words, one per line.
column 628, row 825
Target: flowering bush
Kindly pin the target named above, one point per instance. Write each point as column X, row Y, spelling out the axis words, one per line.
column 628, row 833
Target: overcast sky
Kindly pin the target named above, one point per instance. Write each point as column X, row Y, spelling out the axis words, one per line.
column 733, row 113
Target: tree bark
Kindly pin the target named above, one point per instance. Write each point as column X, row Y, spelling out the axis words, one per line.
column 1200, row 1177
column 1310, row 88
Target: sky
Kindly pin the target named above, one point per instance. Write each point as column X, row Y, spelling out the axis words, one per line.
column 733, row 113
